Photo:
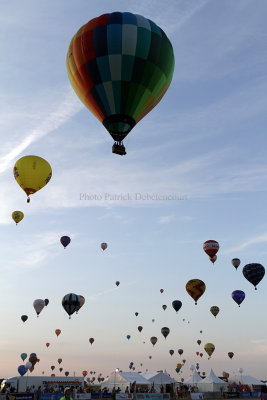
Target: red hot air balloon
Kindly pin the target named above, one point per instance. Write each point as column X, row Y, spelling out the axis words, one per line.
column 201, row 354
column 161, row 290
column 57, row 332
column 47, row 344
column 211, row 247
column 91, row 340
column 140, row 328
column 84, row 373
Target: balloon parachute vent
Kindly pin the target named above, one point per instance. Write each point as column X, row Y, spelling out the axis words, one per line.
column 118, row 148
column 28, row 199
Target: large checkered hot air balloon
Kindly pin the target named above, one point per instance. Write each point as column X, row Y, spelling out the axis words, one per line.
column 120, row 65
column 195, row 288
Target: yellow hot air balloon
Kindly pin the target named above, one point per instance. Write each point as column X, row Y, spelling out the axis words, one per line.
column 17, row 216
column 32, row 173
column 209, row 348
column 214, row 310
column 195, row 288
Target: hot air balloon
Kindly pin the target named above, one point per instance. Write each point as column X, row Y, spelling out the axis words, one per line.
column 180, row 351
column 57, row 332
column 195, row 288
column 171, row 352
column 67, row 373
column 52, row 367
column 140, row 328
column 197, row 353
column 17, row 216
column 165, row 331
column 84, row 373
column 211, row 247
column 201, row 354
column 136, row 314
column 164, row 307
column 104, row 246
column 230, row 354
column 47, row 344
column 71, row 303
column 59, row 360
column 120, row 65
column 200, row 331
column 65, row 241
column 213, row 259
column 32, row 173
column 149, row 357
column 177, row 304
column 82, row 301
column 38, row 305
column 199, row 342
column 46, row 302
column 60, row 369
column 209, row 348
column 128, row 337
column 214, row 310
column 91, row 340
column 236, row 262
column 153, row 320
column 254, row 273
column 117, row 283
column 238, row 296
column 24, row 318
column 161, row 290
column 153, row 340
column 23, row 356
column 22, row 370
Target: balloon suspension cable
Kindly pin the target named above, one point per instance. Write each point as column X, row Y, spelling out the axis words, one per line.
column 28, row 199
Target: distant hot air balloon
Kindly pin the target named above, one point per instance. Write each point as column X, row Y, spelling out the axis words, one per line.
column 71, row 303
column 199, row 342
column 153, row 340
column 128, row 337
column 46, row 302
column 165, row 331
column 47, row 344
column 209, row 348
column 140, row 328
column 177, row 304
column 32, row 173
column 65, row 241
column 38, row 305
column 171, row 352
column 84, row 373
column 91, row 340
column 52, row 367
column 236, row 262
column 254, row 273
column 67, row 373
column 117, row 283
column 161, row 290
column 22, row 370
column 120, row 65
column 17, row 216
column 23, row 356
column 197, row 353
column 195, row 288
column 136, row 314
column 82, row 301
column 213, row 259
column 57, row 332
column 164, row 307
column 180, row 351
column 214, row 310
column 104, row 246
column 60, row 369
column 59, row 360
column 230, row 354
column 238, row 296
column 24, row 318
column 153, row 320
column 211, row 247
column 201, row 354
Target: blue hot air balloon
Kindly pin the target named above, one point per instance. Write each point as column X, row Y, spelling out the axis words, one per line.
column 238, row 296
column 254, row 273
column 65, row 240
column 180, row 351
column 177, row 304
column 128, row 337
column 22, row 370
column 23, row 356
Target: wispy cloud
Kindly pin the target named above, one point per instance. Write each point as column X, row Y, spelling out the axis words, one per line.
column 250, row 242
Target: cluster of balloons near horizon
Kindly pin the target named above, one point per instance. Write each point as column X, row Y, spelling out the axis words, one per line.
column 120, row 93
column 30, row 364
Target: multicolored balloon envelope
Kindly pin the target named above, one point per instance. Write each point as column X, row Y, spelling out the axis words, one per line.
column 32, row 173
column 195, row 288
column 120, row 65
column 254, row 273
column 238, row 296
column 209, row 348
column 214, row 310
column 17, row 216
column 104, row 246
column 57, row 332
column 211, row 247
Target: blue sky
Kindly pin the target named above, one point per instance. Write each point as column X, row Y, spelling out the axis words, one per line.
column 205, row 141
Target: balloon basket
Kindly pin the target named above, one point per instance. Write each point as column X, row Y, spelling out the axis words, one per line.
column 118, row 148
column 28, row 199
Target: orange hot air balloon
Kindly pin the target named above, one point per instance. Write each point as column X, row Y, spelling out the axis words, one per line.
column 195, row 288
column 47, row 344
column 57, row 332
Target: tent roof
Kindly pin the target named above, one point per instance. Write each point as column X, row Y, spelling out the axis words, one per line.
column 195, row 378
column 158, row 377
column 245, row 379
column 212, row 378
column 117, row 378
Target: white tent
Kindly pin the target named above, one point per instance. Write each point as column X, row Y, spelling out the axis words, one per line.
column 245, row 380
column 159, row 378
column 212, row 384
column 193, row 379
column 119, row 379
